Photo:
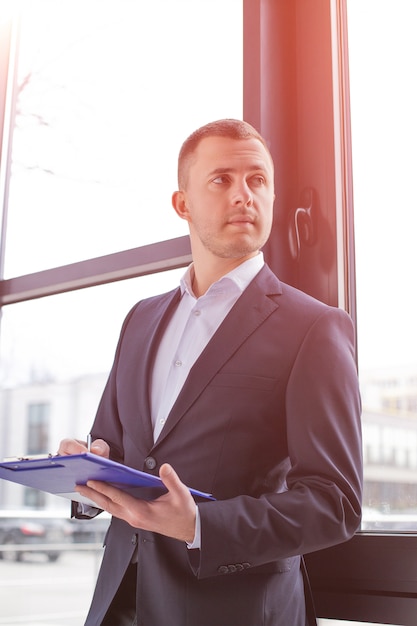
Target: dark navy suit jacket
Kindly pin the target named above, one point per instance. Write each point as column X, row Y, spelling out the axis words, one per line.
column 268, row 421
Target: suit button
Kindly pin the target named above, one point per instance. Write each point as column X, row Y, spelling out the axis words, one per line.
column 223, row 569
column 232, row 568
column 150, row 463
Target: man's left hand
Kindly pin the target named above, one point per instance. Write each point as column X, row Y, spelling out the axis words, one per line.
column 173, row 514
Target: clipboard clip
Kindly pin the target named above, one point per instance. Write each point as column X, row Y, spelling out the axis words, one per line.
column 28, row 457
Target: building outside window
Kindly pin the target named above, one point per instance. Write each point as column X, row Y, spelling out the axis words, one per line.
column 38, row 428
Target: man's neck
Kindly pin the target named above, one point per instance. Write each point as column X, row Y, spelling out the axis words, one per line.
column 205, row 274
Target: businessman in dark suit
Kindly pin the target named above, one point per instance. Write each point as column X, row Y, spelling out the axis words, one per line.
column 234, row 384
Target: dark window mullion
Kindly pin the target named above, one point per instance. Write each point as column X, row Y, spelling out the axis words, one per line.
column 149, row 259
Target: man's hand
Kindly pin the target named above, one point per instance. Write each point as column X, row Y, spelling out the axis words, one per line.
column 75, row 446
column 172, row 514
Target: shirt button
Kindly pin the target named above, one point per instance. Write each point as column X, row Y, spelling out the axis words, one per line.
column 197, row 313
column 178, row 363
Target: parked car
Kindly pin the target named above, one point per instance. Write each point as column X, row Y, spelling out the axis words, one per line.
column 41, row 531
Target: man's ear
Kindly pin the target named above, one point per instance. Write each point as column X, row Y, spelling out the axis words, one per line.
column 179, row 202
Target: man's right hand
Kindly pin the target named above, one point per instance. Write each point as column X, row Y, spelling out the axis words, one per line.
column 75, row 446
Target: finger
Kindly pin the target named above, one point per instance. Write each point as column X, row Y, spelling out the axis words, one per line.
column 103, row 489
column 111, row 495
column 169, row 477
column 71, row 446
column 183, row 509
column 115, row 501
column 92, row 495
column 101, row 448
column 100, row 493
column 171, row 480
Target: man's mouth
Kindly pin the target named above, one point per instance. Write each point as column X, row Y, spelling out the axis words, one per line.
column 241, row 220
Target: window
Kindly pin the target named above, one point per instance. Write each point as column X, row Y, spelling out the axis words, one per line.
column 378, row 566
column 38, row 428
column 96, row 108
column 384, row 132
column 101, row 106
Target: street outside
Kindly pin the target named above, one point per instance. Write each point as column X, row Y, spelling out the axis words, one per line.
column 36, row 592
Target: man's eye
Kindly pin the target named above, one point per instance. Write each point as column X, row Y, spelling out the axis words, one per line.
column 219, row 180
column 259, row 180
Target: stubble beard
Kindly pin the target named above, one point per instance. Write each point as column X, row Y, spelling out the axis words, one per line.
column 233, row 249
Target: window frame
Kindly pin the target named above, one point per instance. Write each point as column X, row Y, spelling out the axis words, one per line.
column 372, row 577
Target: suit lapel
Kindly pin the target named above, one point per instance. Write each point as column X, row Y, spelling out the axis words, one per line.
column 253, row 307
column 154, row 319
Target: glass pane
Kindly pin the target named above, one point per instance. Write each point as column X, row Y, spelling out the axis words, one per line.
column 56, row 353
column 105, row 98
column 55, row 356
column 384, row 127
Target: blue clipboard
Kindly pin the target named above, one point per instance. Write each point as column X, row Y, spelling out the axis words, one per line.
column 59, row 475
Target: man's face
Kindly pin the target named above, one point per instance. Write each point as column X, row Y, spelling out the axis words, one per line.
column 228, row 201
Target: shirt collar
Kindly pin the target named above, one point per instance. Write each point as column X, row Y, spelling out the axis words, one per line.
column 241, row 275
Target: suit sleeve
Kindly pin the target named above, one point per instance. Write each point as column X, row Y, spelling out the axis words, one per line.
column 322, row 504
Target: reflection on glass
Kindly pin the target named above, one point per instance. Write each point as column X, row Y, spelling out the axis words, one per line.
column 56, row 354
column 384, row 135
column 104, row 99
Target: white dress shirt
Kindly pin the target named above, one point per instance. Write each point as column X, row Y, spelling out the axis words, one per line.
column 190, row 328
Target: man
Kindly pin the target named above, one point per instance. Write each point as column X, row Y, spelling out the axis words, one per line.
column 234, row 384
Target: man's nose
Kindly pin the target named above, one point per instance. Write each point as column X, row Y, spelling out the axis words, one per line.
column 242, row 194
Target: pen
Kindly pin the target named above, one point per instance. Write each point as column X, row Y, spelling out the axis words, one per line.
column 89, row 442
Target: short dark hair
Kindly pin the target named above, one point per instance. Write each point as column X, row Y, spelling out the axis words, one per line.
column 231, row 128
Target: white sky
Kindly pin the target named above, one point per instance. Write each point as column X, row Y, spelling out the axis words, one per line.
column 119, row 91
column 383, row 58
